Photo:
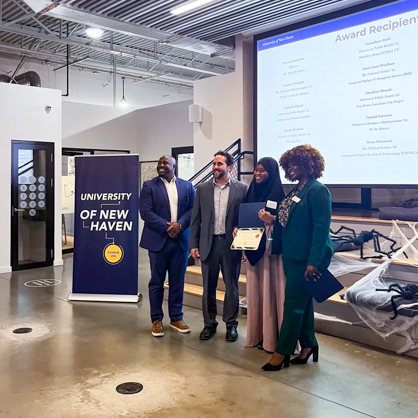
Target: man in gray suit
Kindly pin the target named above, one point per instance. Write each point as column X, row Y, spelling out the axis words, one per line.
column 214, row 216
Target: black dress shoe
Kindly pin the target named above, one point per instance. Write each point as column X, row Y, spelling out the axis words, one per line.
column 231, row 333
column 208, row 332
column 270, row 368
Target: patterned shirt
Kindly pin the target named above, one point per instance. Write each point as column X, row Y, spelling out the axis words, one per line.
column 284, row 207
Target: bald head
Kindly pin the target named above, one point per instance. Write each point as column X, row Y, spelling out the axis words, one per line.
column 166, row 166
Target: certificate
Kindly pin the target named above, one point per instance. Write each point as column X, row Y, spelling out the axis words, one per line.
column 247, row 239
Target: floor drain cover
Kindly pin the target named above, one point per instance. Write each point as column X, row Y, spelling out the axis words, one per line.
column 129, row 388
column 22, row 330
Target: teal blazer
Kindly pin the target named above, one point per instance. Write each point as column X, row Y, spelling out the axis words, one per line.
column 306, row 235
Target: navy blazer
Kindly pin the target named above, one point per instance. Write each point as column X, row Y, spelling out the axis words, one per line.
column 154, row 208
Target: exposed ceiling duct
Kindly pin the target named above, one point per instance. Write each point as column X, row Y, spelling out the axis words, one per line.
column 142, row 39
column 70, row 14
column 29, row 78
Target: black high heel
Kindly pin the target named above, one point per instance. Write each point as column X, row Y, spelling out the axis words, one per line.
column 313, row 351
column 260, row 347
column 270, row 368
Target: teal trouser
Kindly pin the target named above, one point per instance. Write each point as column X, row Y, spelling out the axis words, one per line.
column 298, row 315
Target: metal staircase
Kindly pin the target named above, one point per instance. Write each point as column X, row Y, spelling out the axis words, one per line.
column 238, row 155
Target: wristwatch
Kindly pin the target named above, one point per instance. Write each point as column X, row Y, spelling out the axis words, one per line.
column 181, row 227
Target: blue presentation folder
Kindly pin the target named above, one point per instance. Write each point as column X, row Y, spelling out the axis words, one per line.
column 322, row 288
column 248, row 215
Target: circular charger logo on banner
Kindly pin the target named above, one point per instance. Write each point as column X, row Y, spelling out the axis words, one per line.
column 113, row 254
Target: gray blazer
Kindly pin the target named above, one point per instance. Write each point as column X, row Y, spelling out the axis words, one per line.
column 202, row 221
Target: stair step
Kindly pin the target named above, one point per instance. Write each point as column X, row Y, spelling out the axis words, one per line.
column 194, row 277
column 197, row 270
column 337, row 299
column 198, row 263
column 195, row 290
column 193, row 297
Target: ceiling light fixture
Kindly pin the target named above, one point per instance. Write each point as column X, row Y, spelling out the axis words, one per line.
column 123, row 102
column 189, row 6
column 94, row 33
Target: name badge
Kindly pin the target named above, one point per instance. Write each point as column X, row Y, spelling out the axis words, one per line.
column 271, row 204
column 296, row 199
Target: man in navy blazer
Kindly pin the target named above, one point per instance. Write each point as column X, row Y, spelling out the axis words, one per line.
column 165, row 204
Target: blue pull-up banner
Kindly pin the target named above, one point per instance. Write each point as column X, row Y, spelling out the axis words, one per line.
column 106, row 228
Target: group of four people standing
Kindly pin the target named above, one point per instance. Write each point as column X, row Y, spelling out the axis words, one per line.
column 296, row 244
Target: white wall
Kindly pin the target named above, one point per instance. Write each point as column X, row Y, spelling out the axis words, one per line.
column 99, row 127
column 227, row 109
column 221, row 100
column 89, row 88
column 23, row 117
column 150, row 132
column 162, row 128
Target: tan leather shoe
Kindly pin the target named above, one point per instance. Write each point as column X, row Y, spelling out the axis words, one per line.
column 157, row 329
column 180, row 326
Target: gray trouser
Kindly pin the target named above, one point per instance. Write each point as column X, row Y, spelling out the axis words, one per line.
column 230, row 263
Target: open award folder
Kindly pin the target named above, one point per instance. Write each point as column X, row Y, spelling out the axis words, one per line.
column 250, row 227
column 247, row 239
column 324, row 287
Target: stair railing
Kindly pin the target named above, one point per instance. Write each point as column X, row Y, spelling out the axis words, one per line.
column 236, row 173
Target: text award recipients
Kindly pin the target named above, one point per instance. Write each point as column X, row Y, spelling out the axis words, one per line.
column 305, row 217
column 215, row 213
column 165, row 204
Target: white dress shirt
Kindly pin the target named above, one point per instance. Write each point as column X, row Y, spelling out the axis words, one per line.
column 220, row 200
column 173, row 196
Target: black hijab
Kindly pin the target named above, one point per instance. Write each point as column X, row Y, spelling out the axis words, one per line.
column 270, row 189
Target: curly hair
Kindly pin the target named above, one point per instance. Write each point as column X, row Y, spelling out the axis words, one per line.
column 306, row 157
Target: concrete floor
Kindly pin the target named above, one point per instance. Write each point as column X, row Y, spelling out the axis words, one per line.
column 77, row 354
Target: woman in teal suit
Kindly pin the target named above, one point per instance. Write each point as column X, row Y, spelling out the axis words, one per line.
column 305, row 217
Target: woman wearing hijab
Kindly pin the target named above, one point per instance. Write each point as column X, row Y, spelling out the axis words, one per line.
column 265, row 276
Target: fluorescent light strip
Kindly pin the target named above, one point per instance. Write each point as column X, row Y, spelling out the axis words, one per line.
column 189, row 6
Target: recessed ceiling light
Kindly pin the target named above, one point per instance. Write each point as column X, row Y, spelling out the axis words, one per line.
column 189, row 6
column 94, row 33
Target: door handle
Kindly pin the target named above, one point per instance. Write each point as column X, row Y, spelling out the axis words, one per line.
column 19, row 210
